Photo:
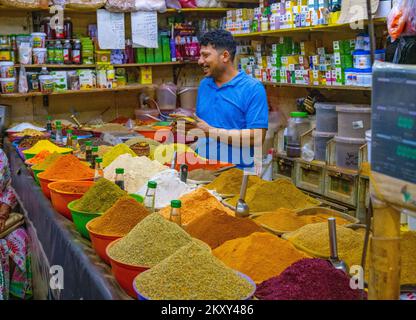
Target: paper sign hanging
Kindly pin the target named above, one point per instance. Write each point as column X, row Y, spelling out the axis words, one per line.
column 110, row 30
column 144, row 29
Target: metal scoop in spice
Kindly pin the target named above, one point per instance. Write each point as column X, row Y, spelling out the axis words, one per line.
column 242, row 209
column 334, row 259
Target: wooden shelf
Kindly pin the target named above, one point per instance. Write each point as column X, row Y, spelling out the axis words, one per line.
column 75, row 66
column 69, row 92
column 293, row 85
column 323, row 28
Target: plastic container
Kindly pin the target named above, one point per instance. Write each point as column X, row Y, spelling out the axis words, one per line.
column 353, row 120
column 368, row 140
column 364, row 77
column 166, row 96
column 38, row 39
column 351, row 77
column 187, row 97
column 326, row 117
column 125, row 273
column 100, row 242
column 81, row 218
column 7, row 69
column 347, row 150
column 8, row 85
column 60, row 199
column 320, row 142
column 47, row 83
column 380, row 54
column 298, row 124
column 39, row 55
column 140, row 296
column 362, row 59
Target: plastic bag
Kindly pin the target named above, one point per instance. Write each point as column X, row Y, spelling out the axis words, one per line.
column 203, row 3
column 85, row 4
column 150, row 5
column 402, row 19
column 173, row 4
column 188, row 3
column 23, row 86
column 25, row 53
column 120, row 5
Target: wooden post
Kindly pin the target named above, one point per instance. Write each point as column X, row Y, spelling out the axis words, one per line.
column 384, row 281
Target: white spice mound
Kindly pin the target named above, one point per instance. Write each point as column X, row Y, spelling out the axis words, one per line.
column 137, row 171
column 169, row 187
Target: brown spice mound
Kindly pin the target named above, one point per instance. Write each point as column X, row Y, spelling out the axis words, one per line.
column 216, row 227
column 229, row 182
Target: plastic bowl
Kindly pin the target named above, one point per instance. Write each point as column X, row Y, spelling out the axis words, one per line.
column 141, row 296
column 137, row 197
column 125, row 273
column 100, row 242
column 35, row 174
column 81, row 218
column 60, row 199
column 45, row 182
column 165, row 131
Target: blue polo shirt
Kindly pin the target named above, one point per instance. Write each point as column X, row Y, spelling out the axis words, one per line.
column 240, row 103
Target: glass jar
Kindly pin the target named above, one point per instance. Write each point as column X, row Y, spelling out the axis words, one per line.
column 298, row 124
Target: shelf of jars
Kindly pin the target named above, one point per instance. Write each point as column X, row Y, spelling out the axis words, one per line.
column 321, row 28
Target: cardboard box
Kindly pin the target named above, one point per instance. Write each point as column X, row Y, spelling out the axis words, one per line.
column 61, row 80
column 87, row 79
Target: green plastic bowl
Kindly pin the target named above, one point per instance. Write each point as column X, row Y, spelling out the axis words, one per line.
column 137, row 197
column 81, row 218
column 35, row 173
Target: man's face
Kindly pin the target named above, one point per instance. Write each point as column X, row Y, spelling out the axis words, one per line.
column 213, row 62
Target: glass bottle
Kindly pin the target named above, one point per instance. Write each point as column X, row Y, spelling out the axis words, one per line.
column 69, row 138
column 68, row 28
column 50, row 50
column 149, row 199
column 58, row 134
column 94, row 156
column 59, row 53
column 119, row 178
column 76, row 52
column 88, row 151
column 99, row 173
column 67, row 52
column 75, row 147
column 175, row 212
column 49, row 124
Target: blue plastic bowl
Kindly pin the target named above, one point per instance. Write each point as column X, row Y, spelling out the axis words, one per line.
column 141, row 296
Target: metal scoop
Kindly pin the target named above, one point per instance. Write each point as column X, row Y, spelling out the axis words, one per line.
column 242, row 209
column 334, row 259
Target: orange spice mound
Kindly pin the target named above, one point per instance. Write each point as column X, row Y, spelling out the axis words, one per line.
column 195, row 204
column 39, row 157
column 68, row 167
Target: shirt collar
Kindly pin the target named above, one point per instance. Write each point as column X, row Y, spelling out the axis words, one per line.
column 233, row 82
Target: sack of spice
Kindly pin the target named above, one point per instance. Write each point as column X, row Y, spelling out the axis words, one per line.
column 271, row 195
column 216, row 227
column 195, row 204
column 68, row 167
column 123, row 216
column 149, row 242
column 192, row 273
column 309, row 279
column 260, row 255
column 100, row 197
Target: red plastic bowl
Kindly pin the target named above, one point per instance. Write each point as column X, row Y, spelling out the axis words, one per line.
column 45, row 182
column 100, row 242
column 125, row 273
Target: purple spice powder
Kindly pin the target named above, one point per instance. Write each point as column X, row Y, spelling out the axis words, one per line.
column 309, row 279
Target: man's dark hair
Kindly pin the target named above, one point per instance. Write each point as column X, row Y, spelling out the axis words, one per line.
column 220, row 39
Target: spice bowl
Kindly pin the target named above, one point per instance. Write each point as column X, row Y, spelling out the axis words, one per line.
column 125, row 273
column 141, row 296
column 100, row 242
column 45, row 182
column 81, row 218
column 60, row 199
column 35, row 175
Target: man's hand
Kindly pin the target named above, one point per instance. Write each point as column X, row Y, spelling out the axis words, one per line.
column 4, row 215
column 201, row 124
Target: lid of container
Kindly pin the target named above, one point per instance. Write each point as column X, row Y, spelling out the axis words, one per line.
column 69, row 131
column 361, row 52
column 152, row 184
column 368, row 134
column 351, row 70
column 99, row 160
column 74, row 137
column 323, row 134
column 95, row 149
column 40, row 49
column 354, row 108
column 369, row 70
column 6, row 63
column 349, row 140
column 327, row 105
column 176, row 203
column 378, row 51
column 119, row 170
column 38, row 34
column 298, row 114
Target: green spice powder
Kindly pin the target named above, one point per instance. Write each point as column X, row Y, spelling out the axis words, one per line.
column 150, row 241
column 192, row 273
column 100, row 197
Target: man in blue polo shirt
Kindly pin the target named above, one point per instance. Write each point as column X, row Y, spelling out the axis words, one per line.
column 231, row 106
